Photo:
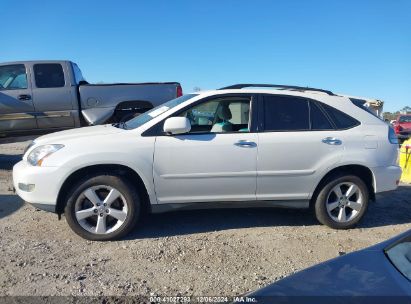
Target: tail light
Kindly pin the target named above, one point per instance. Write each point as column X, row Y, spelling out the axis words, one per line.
column 179, row 91
column 398, row 129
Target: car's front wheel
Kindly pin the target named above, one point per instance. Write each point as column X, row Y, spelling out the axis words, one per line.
column 342, row 202
column 102, row 207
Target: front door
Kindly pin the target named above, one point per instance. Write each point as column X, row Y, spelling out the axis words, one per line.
column 215, row 161
column 16, row 103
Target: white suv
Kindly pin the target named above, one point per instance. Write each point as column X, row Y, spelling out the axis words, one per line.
column 243, row 145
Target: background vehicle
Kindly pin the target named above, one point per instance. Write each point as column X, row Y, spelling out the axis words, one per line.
column 284, row 146
column 383, row 270
column 402, row 126
column 47, row 95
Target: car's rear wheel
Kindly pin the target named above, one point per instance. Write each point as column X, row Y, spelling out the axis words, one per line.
column 342, row 202
column 102, row 207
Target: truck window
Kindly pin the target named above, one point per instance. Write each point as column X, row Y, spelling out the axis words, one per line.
column 77, row 74
column 49, row 75
column 13, row 77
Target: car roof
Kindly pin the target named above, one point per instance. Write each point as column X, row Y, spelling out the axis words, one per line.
column 33, row 62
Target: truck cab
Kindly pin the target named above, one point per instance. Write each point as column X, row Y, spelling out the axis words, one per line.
column 53, row 95
column 37, row 95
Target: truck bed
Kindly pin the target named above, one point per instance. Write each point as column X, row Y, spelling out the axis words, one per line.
column 99, row 101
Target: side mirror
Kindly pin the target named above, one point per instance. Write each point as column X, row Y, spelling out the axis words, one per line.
column 177, row 125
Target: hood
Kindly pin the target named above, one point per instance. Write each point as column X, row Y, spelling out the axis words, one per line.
column 367, row 272
column 60, row 137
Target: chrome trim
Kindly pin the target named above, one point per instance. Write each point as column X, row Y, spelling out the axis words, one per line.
column 49, row 114
column 16, row 116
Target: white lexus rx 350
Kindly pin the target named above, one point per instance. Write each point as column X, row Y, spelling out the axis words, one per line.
column 242, row 145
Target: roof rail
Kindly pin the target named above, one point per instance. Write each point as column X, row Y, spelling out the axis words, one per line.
column 279, row 86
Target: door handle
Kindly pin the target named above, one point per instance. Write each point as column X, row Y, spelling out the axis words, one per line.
column 245, row 144
column 332, row 141
column 24, row 97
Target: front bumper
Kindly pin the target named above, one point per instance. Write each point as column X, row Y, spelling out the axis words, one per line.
column 38, row 186
column 386, row 178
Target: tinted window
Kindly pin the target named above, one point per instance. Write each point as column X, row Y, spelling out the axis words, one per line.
column 221, row 115
column 49, row 75
column 405, row 119
column 13, row 77
column 285, row 113
column 318, row 119
column 341, row 120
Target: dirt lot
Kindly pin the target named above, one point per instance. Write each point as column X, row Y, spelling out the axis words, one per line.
column 214, row 252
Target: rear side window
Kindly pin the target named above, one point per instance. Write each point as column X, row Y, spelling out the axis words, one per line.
column 283, row 113
column 49, row 75
column 340, row 119
column 318, row 119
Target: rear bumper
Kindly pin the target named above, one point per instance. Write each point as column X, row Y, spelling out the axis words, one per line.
column 386, row 178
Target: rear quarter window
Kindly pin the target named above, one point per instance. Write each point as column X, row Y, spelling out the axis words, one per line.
column 340, row 119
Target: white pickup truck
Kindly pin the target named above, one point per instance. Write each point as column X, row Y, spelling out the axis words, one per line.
column 46, row 95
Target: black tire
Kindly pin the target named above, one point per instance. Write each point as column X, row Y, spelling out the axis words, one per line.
column 321, row 201
column 128, row 192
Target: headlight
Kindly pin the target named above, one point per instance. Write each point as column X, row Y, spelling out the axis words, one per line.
column 36, row 157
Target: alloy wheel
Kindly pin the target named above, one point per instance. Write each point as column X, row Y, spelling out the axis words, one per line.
column 101, row 209
column 344, row 202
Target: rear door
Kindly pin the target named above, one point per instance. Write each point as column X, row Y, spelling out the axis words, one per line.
column 52, row 96
column 297, row 143
column 16, row 103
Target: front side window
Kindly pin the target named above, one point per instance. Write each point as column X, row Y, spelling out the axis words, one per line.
column 13, row 77
column 49, row 75
column 286, row 113
column 221, row 115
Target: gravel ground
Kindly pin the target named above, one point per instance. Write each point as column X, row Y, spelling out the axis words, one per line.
column 213, row 252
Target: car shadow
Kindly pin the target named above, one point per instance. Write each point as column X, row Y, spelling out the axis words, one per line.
column 16, row 139
column 7, row 161
column 199, row 221
column 9, row 204
column 388, row 210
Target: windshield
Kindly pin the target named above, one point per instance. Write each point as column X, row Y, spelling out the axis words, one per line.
column 149, row 115
column 400, row 256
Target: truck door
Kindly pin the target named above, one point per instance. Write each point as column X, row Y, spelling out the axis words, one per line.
column 52, row 96
column 16, row 103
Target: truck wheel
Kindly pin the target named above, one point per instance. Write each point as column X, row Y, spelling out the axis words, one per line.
column 342, row 202
column 102, row 207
